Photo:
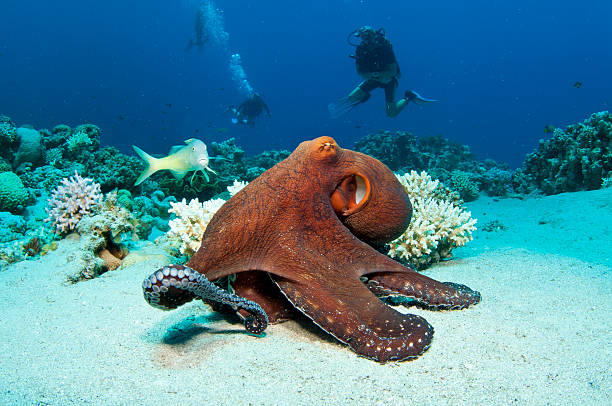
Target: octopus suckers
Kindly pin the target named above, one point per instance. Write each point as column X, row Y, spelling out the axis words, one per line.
column 411, row 344
column 166, row 271
column 173, row 272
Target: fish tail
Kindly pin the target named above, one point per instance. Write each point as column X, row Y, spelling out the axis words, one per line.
column 151, row 165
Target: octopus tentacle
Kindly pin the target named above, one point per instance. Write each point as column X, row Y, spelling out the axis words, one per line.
column 359, row 319
column 175, row 285
column 427, row 291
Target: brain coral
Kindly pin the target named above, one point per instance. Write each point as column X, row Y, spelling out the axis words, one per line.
column 13, row 193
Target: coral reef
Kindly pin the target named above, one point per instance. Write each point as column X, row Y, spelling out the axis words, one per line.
column 8, row 137
column 259, row 163
column 102, row 239
column 113, row 169
column 464, row 184
column 30, row 148
column 13, row 194
column 70, row 201
column 577, row 158
column 450, row 162
column 437, row 226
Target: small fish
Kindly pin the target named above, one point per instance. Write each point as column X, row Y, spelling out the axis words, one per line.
column 222, row 130
column 549, row 129
column 169, row 105
column 578, row 85
column 180, row 160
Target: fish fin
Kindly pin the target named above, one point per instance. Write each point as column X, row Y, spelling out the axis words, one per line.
column 174, row 149
column 149, row 161
column 210, row 169
column 189, row 140
column 178, row 174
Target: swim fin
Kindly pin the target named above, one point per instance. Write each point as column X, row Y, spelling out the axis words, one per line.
column 341, row 107
column 413, row 96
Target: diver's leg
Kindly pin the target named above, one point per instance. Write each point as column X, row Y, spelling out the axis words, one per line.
column 357, row 96
column 362, row 92
column 392, row 107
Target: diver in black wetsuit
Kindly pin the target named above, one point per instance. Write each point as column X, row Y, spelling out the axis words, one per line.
column 377, row 65
column 248, row 110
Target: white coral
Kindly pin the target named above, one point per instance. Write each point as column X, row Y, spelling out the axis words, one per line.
column 190, row 223
column 70, row 201
column 437, row 227
column 192, row 219
column 236, row 187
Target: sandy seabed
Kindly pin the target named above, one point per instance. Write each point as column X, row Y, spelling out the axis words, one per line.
column 542, row 334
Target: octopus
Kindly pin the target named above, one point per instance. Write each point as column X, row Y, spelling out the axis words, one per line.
column 306, row 236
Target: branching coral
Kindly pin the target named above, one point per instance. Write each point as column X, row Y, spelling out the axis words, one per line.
column 437, row 227
column 71, row 200
column 191, row 219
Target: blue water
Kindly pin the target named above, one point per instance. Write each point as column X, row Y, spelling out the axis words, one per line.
column 501, row 70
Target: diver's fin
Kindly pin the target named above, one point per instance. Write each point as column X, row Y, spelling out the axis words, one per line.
column 341, row 107
column 413, row 96
column 149, row 161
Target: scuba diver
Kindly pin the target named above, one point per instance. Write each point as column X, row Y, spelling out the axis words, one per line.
column 201, row 37
column 376, row 64
column 249, row 109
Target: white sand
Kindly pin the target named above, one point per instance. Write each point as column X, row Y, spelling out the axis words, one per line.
column 541, row 335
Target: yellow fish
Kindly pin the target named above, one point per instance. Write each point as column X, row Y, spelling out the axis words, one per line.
column 180, row 160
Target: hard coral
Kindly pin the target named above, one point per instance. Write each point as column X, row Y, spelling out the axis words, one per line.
column 101, row 245
column 190, row 223
column 576, row 158
column 71, row 200
column 8, row 136
column 191, row 219
column 437, row 226
column 13, row 194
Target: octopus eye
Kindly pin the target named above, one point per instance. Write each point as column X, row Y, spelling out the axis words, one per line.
column 351, row 194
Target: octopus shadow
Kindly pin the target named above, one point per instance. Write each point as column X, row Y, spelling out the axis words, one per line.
column 191, row 340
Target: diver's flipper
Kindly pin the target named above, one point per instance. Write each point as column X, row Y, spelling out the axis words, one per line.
column 341, row 107
column 413, row 96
